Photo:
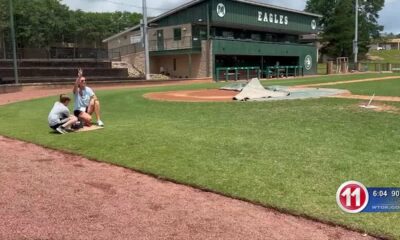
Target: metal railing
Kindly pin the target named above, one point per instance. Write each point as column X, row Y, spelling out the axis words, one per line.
column 284, row 71
column 56, row 53
column 379, row 67
column 116, row 53
column 237, row 73
column 171, row 44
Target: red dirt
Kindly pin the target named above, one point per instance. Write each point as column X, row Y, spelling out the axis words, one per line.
column 215, row 95
column 362, row 97
column 351, row 81
column 380, row 107
column 205, row 95
column 51, row 195
column 34, row 92
column 47, row 194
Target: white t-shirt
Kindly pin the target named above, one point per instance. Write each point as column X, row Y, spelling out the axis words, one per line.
column 58, row 114
column 82, row 98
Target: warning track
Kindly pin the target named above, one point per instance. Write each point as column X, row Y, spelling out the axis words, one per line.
column 47, row 194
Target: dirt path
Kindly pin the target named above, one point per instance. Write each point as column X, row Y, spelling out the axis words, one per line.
column 363, row 97
column 350, row 81
column 202, row 95
column 40, row 92
column 50, row 195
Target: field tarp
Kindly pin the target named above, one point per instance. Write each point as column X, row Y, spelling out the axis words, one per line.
column 255, row 90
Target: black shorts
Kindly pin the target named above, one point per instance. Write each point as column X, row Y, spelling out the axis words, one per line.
column 78, row 112
column 62, row 121
column 56, row 126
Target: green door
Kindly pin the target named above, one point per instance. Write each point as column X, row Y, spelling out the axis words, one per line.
column 160, row 40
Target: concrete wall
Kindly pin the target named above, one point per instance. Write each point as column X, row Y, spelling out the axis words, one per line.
column 136, row 59
column 122, row 40
column 205, row 61
column 201, row 62
column 168, row 35
column 166, row 63
column 169, row 32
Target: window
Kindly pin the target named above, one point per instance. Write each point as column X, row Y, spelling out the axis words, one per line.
column 227, row 34
column 256, row 37
column 177, row 34
column 174, row 64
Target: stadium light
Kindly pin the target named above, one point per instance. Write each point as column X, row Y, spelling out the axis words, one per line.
column 13, row 43
column 146, row 41
column 355, row 42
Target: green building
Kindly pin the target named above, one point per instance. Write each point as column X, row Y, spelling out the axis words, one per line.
column 197, row 38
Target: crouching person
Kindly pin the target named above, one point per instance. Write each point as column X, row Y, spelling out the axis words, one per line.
column 60, row 118
column 86, row 102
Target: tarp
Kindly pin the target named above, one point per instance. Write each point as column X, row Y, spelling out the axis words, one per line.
column 234, row 86
column 303, row 93
column 255, row 90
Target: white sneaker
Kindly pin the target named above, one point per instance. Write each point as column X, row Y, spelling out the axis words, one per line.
column 100, row 123
column 61, row 130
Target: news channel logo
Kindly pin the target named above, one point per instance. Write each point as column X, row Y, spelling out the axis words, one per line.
column 354, row 197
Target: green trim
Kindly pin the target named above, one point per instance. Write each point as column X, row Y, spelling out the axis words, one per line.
column 175, row 52
column 263, row 17
column 249, row 48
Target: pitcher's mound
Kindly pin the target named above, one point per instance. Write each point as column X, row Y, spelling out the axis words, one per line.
column 204, row 95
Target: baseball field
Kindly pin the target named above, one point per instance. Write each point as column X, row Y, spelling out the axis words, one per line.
column 287, row 155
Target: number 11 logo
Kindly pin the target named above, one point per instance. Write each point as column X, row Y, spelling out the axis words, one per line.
column 352, row 197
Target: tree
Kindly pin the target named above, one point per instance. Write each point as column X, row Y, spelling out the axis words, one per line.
column 337, row 24
column 324, row 7
column 39, row 23
column 47, row 23
column 3, row 27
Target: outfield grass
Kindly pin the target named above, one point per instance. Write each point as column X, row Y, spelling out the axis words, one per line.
column 387, row 56
column 291, row 155
column 325, row 79
column 380, row 88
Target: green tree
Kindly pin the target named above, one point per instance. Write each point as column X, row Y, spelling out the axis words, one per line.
column 4, row 27
column 46, row 23
column 337, row 24
column 39, row 23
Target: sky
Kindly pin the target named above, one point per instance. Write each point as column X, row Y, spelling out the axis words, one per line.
column 389, row 16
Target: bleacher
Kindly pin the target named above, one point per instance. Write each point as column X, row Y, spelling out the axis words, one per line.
column 61, row 71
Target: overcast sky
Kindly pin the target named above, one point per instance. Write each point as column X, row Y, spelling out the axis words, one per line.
column 389, row 16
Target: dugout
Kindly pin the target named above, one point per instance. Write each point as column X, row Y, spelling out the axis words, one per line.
column 195, row 39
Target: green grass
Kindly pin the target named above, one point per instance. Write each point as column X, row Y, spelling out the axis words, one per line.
column 388, row 56
column 322, row 68
column 291, row 155
column 325, row 79
column 380, row 88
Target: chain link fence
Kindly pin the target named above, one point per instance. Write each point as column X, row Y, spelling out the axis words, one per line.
column 56, row 53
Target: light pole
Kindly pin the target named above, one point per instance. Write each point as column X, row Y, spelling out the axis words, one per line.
column 355, row 43
column 14, row 47
column 146, row 42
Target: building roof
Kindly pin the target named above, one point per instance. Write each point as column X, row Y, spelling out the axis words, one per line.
column 394, row 40
column 194, row 2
